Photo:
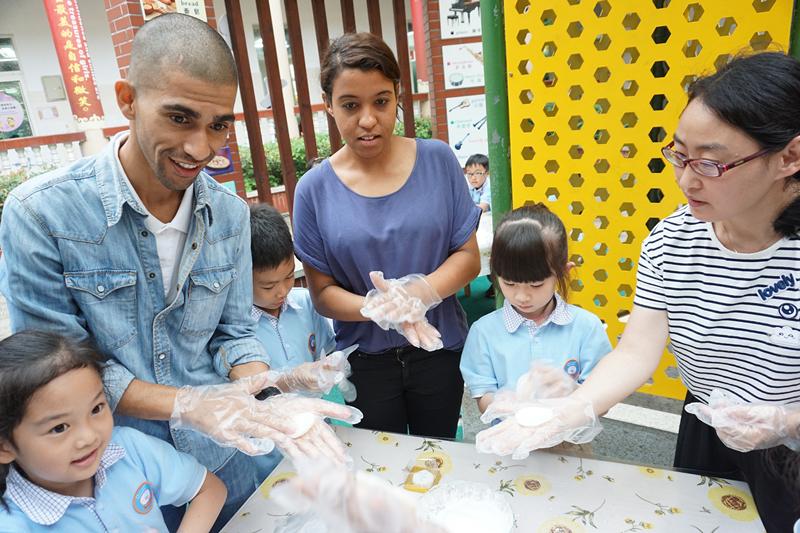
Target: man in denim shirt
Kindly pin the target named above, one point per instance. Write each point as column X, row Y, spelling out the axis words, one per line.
column 139, row 249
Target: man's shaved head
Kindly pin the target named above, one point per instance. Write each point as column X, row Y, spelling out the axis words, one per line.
column 177, row 42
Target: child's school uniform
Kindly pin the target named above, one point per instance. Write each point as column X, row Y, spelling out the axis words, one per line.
column 502, row 345
column 482, row 195
column 137, row 474
column 297, row 335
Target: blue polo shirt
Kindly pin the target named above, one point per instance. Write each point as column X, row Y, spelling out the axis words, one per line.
column 482, row 195
column 502, row 345
column 298, row 335
column 137, row 474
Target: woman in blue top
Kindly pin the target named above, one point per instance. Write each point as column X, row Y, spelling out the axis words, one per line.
column 530, row 265
column 399, row 206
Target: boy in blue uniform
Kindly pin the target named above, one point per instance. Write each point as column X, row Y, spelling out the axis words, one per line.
column 288, row 325
column 477, row 172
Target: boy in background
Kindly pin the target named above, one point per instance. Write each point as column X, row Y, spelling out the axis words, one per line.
column 477, row 172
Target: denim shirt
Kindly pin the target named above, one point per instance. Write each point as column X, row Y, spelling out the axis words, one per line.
column 78, row 260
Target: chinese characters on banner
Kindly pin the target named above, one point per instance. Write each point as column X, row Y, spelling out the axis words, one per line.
column 73, row 56
column 153, row 8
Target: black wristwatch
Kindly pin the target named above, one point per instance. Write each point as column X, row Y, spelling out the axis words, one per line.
column 267, row 393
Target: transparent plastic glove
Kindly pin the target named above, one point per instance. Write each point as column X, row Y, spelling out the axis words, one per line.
column 746, row 426
column 320, row 376
column 401, row 304
column 540, row 382
column 537, row 424
column 231, row 416
column 349, row 503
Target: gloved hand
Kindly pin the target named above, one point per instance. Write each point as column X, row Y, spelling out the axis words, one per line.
column 745, row 426
column 231, row 416
column 540, row 382
column 401, row 304
column 320, row 376
column 349, row 503
column 528, row 426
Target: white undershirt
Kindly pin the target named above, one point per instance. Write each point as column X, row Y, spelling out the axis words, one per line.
column 170, row 236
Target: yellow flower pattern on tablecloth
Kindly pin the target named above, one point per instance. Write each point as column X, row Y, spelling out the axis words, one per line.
column 733, row 502
column 443, row 461
column 274, row 481
column 560, row 524
column 651, row 472
column 532, row 485
column 386, row 439
column 541, row 489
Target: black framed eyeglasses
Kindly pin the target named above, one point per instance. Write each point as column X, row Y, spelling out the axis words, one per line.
column 705, row 167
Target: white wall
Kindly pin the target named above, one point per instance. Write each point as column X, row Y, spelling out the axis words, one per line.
column 26, row 23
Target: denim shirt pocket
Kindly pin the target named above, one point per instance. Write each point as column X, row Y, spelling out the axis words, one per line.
column 205, row 299
column 107, row 299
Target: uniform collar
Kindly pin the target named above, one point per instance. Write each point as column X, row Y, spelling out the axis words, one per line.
column 512, row 320
column 256, row 312
column 45, row 507
column 114, row 192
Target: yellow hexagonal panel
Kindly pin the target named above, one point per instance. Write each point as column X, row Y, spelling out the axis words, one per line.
column 600, row 93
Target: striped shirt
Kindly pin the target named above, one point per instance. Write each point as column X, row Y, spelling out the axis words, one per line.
column 734, row 318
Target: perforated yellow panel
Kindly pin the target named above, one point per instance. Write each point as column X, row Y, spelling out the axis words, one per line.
column 595, row 90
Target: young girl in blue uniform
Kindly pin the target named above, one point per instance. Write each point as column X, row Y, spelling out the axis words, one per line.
column 63, row 464
column 530, row 266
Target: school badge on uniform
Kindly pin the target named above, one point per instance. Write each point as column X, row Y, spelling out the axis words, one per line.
column 312, row 344
column 572, row 368
column 143, row 498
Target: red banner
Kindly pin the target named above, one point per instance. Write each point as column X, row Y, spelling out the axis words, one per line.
column 73, row 56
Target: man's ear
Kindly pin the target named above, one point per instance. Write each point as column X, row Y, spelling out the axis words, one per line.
column 125, row 97
column 7, row 452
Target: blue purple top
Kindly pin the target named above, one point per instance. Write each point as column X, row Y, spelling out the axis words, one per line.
column 413, row 230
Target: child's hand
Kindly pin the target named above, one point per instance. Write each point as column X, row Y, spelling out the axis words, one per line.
column 744, row 427
column 544, row 381
column 231, row 416
column 538, row 424
column 321, row 376
column 358, row 503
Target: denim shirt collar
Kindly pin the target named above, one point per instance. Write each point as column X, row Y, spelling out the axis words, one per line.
column 512, row 320
column 114, row 192
column 45, row 507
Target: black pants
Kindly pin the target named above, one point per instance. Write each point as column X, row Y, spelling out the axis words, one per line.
column 700, row 451
column 409, row 390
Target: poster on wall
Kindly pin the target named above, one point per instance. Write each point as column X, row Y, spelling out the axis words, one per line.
column 14, row 120
column 460, row 18
column 153, row 8
column 463, row 65
column 466, row 126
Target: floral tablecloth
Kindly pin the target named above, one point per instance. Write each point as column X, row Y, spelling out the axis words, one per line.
column 548, row 492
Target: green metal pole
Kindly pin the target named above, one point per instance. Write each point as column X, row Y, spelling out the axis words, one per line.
column 794, row 36
column 494, row 73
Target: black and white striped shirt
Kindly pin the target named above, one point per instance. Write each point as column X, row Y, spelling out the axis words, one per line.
column 734, row 318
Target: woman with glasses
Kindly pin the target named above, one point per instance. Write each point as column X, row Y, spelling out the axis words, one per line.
column 719, row 278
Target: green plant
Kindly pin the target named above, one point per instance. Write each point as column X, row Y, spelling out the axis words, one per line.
column 8, row 181
column 422, row 128
column 274, row 160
